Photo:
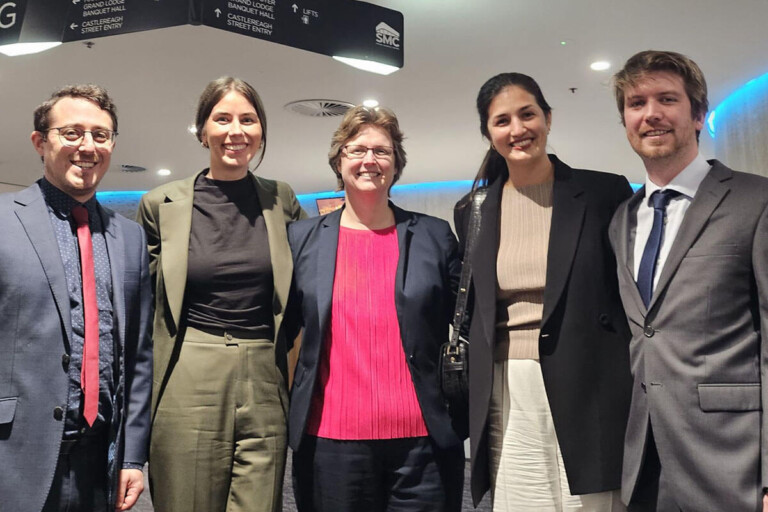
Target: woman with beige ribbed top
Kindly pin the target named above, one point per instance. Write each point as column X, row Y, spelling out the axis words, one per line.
column 549, row 369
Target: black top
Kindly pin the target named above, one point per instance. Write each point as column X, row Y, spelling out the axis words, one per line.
column 229, row 276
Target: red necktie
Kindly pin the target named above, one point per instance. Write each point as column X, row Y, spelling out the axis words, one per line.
column 89, row 373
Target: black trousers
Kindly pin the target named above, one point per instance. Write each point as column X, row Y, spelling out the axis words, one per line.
column 652, row 493
column 80, row 480
column 390, row 475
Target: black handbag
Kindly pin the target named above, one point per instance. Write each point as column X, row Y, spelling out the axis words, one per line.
column 454, row 355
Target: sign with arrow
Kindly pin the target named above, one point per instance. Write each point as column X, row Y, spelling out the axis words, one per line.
column 348, row 28
column 88, row 19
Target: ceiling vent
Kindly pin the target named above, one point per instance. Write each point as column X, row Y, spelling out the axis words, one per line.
column 319, row 108
column 132, row 168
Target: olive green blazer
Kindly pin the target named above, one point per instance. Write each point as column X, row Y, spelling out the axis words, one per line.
column 166, row 215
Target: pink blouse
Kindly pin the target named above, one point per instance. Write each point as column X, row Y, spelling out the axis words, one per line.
column 364, row 388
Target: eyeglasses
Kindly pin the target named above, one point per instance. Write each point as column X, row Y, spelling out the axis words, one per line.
column 357, row 152
column 73, row 136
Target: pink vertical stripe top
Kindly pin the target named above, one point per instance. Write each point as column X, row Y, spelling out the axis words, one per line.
column 364, row 388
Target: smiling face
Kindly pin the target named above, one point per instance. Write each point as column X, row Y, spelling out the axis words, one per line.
column 75, row 170
column 233, row 134
column 658, row 119
column 369, row 174
column 518, row 127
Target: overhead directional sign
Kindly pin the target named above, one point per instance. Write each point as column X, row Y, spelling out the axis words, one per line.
column 346, row 28
column 87, row 19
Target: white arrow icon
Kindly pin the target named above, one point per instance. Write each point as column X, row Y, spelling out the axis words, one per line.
column 218, row 12
column 295, row 8
column 73, row 26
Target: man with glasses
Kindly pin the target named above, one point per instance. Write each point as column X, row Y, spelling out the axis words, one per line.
column 75, row 347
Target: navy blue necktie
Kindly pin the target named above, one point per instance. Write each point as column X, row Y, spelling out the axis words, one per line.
column 660, row 200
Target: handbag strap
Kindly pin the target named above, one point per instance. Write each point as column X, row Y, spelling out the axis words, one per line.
column 466, row 266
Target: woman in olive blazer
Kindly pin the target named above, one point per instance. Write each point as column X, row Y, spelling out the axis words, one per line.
column 220, row 398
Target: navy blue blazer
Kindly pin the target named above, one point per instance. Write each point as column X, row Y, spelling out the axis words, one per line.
column 35, row 330
column 428, row 271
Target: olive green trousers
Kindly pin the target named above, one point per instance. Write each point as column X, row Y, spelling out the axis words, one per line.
column 219, row 434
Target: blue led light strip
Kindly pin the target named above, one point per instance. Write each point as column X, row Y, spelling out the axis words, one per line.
column 135, row 195
column 757, row 87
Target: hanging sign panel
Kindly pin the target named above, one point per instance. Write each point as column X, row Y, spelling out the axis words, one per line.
column 329, row 27
column 88, row 19
column 346, row 28
column 11, row 16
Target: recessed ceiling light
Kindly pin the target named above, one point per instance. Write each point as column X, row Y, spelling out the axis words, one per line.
column 600, row 65
column 163, row 172
column 370, row 103
column 192, row 129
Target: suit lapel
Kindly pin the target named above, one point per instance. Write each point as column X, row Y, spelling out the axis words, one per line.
column 484, row 259
column 279, row 251
column 709, row 195
column 114, row 238
column 567, row 220
column 175, row 226
column 33, row 215
column 328, row 242
column 625, row 245
column 403, row 223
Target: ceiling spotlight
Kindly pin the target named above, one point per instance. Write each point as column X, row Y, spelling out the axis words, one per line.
column 600, row 65
column 163, row 172
column 192, row 129
column 370, row 103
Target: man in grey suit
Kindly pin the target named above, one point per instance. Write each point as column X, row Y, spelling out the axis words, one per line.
column 75, row 317
column 692, row 250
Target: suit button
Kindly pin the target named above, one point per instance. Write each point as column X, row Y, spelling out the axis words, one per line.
column 65, row 362
column 604, row 320
column 58, row 413
column 649, row 331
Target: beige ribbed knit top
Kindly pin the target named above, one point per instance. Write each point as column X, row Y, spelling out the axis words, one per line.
column 521, row 269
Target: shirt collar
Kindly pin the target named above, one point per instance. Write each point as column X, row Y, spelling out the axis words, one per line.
column 62, row 203
column 686, row 182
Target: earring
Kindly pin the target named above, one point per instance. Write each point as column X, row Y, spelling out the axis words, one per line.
column 204, row 144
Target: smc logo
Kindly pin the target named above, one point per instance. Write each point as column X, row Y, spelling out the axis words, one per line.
column 387, row 36
column 7, row 16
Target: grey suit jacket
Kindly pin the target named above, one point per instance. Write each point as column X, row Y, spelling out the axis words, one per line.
column 698, row 358
column 35, row 331
column 166, row 214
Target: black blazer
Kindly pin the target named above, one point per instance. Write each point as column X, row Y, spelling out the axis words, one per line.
column 428, row 271
column 584, row 338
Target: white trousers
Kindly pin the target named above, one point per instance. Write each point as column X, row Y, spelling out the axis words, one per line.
column 527, row 471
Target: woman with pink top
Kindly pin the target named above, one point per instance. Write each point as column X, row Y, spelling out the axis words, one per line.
column 374, row 286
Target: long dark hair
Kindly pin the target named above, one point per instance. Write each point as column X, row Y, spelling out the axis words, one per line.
column 494, row 166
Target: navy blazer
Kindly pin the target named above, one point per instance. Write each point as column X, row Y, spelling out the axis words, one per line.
column 584, row 340
column 428, row 271
column 35, row 332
